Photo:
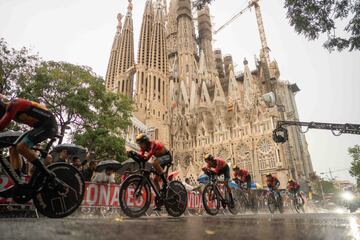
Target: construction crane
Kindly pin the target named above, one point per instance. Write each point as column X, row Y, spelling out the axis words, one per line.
column 280, row 134
column 260, row 23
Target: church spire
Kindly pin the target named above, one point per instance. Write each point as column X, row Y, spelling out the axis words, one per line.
column 114, row 56
column 143, row 60
column 126, row 59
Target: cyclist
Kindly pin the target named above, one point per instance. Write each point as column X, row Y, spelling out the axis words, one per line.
column 293, row 187
column 219, row 167
column 242, row 176
column 34, row 115
column 162, row 157
column 273, row 184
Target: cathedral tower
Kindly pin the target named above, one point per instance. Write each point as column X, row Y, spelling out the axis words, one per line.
column 125, row 65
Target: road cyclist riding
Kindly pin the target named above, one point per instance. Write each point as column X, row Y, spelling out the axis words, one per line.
column 274, row 199
column 246, row 197
column 293, row 191
column 56, row 190
column 212, row 195
column 139, row 186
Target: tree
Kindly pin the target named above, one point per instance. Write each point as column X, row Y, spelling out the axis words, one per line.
column 104, row 135
column 77, row 98
column 354, row 152
column 14, row 65
column 312, row 18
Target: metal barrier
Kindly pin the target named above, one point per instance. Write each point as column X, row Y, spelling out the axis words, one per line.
column 103, row 200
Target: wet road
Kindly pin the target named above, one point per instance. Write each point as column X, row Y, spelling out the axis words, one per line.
column 263, row 226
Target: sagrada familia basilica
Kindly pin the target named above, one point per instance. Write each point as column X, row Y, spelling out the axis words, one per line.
column 190, row 97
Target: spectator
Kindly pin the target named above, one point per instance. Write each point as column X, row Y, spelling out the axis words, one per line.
column 89, row 171
column 63, row 156
column 77, row 163
column 107, row 176
column 188, row 185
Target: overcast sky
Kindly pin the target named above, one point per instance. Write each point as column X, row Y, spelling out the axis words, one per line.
column 82, row 31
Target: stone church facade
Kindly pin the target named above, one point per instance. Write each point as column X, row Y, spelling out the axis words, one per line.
column 192, row 99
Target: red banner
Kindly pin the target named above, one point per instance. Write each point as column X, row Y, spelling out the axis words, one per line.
column 6, row 183
column 108, row 195
column 98, row 195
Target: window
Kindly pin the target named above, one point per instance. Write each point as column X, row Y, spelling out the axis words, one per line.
column 156, row 134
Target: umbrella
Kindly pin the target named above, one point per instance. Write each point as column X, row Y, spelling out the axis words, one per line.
column 173, row 175
column 72, row 149
column 112, row 164
column 8, row 138
column 131, row 165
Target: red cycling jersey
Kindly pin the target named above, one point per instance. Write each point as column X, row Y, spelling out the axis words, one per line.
column 26, row 112
column 293, row 186
column 242, row 174
column 155, row 148
column 217, row 166
column 273, row 182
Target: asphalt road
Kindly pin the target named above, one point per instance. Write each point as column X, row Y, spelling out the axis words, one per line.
column 262, row 226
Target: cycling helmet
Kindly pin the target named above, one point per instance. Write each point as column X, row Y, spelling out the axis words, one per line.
column 269, row 175
column 291, row 181
column 142, row 138
column 209, row 157
column 235, row 167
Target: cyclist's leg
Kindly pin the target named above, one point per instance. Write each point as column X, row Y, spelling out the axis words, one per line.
column 15, row 160
column 34, row 136
column 164, row 161
column 226, row 172
column 248, row 184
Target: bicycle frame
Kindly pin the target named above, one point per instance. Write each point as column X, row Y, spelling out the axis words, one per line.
column 146, row 180
column 11, row 171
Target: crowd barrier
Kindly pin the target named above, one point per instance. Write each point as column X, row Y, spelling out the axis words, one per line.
column 107, row 195
column 103, row 196
column 100, row 195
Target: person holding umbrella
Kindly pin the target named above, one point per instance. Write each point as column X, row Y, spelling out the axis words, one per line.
column 162, row 157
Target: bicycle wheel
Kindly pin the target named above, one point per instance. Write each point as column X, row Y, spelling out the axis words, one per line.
column 271, row 202
column 253, row 202
column 299, row 203
column 61, row 203
column 210, row 200
column 235, row 209
column 242, row 201
column 176, row 199
column 135, row 196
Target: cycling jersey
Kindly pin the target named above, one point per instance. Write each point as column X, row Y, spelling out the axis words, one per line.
column 26, row 112
column 273, row 183
column 217, row 166
column 293, row 187
column 34, row 115
column 156, row 149
column 242, row 174
column 244, row 177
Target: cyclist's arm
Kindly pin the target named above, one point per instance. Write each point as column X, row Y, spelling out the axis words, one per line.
column 9, row 115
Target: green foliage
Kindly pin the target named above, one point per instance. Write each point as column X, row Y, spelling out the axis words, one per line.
column 312, row 18
column 14, row 65
column 77, row 98
column 103, row 134
column 74, row 94
column 328, row 187
column 354, row 152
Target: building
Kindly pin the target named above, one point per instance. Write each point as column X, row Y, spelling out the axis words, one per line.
column 190, row 95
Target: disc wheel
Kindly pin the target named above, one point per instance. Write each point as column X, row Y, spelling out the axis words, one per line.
column 60, row 202
column 176, row 199
column 210, row 200
column 135, row 196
